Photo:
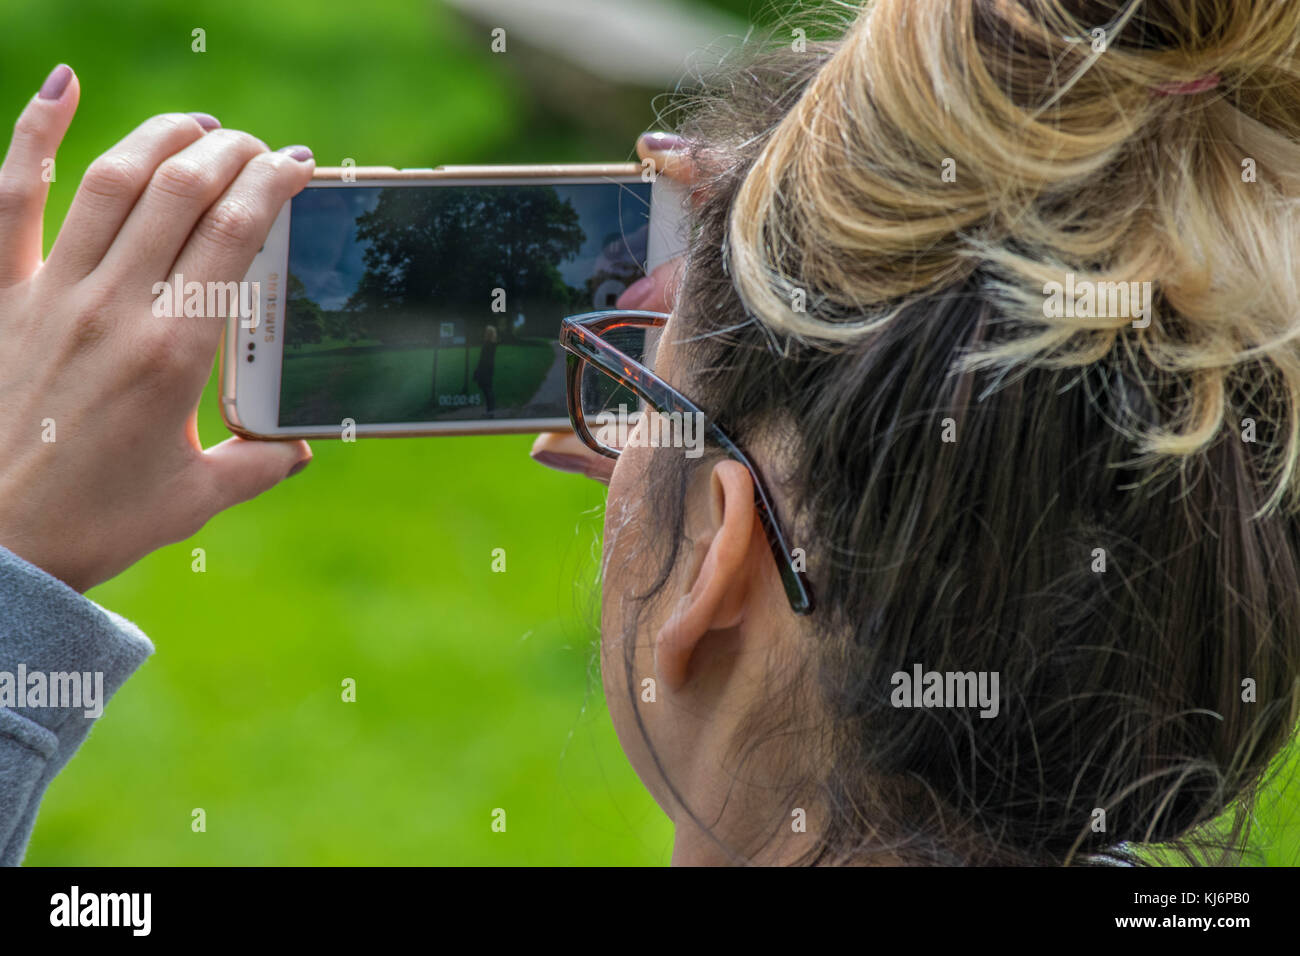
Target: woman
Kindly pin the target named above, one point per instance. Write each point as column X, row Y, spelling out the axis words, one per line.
column 975, row 570
column 486, row 369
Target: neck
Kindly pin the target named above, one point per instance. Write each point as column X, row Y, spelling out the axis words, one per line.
column 784, row 843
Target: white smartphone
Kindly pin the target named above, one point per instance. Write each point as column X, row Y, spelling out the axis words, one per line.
column 392, row 302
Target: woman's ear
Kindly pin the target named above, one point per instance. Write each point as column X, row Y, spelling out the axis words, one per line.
column 723, row 531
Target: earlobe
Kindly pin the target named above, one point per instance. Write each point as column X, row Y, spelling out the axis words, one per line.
column 719, row 578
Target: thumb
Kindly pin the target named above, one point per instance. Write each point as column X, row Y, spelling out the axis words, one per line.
column 244, row 469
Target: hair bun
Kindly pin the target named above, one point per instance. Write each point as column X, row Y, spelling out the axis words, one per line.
column 998, row 144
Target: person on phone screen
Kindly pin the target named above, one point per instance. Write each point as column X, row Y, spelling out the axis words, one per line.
column 486, row 369
column 992, row 552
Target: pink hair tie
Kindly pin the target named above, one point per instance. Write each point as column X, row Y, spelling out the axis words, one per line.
column 1201, row 85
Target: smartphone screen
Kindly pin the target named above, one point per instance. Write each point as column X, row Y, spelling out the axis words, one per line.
column 439, row 303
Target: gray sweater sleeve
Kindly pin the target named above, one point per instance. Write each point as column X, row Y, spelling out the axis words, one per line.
column 62, row 656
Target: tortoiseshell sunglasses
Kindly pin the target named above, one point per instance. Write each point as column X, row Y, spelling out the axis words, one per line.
column 610, row 354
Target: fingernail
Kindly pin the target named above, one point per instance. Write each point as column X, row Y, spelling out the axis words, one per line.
column 298, row 467
column 300, row 153
column 56, row 82
column 634, row 294
column 568, row 463
column 664, row 141
column 206, row 120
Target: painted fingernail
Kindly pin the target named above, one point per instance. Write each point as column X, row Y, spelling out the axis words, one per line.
column 298, row 467
column 56, row 82
column 665, row 141
column 567, row 463
column 636, row 293
column 206, row 120
column 300, row 153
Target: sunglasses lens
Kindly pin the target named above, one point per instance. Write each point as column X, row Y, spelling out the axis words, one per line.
column 610, row 408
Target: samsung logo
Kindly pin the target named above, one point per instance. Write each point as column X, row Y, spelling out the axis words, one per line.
column 272, row 299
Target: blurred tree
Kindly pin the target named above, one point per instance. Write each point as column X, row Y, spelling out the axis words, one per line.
column 304, row 324
column 453, row 247
column 442, row 253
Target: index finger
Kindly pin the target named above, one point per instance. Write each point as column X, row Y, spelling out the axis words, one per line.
column 565, row 451
column 27, row 172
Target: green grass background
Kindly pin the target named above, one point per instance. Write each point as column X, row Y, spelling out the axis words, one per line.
column 475, row 690
column 324, row 386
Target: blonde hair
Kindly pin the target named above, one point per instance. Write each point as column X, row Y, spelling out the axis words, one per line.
column 1062, row 159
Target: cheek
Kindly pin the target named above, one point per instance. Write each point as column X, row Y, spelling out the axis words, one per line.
column 627, row 625
column 619, row 573
column 623, row 534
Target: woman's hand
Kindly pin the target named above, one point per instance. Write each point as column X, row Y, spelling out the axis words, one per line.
column 565, row 451
column 100, row 461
